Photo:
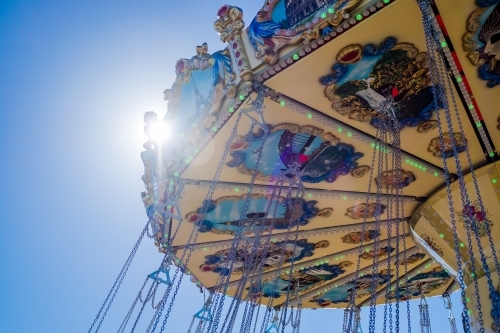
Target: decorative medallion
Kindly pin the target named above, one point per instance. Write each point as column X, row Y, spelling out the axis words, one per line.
column 427, row 126
column 427, row 282
column 250, row 258
column 320, row 156
column 446, row 150
column 360, row 171
column 265, row 213
column 398, row 178
column 230, row 23
column 287, row 22
column 369, row 210
column 229, row 26
column 382, row 252
column 482, row 40
column 364, row 77
column 478, row 220
column 433, row 245
column 201, row 85
column 414, row 258
column 356, row 237
column 363, row 286
column 302, row 280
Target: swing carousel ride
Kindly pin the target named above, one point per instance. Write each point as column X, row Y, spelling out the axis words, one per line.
column 336, row 154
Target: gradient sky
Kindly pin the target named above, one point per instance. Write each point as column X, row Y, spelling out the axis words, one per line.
column 75, row 80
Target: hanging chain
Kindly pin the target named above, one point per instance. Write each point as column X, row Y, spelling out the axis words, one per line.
column 425, row 8
column 116, row 286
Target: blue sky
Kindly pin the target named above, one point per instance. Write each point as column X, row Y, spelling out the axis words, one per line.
column 75, row 80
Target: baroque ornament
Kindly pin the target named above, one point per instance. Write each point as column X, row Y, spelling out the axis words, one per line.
column 201, row 85
column 395, row 178
column 446, row 149
column 381, row 252
column 370, row 210
column 482, row 40
column 280, row 23
column 356, row 237
column 229, row 26
column 363, row 78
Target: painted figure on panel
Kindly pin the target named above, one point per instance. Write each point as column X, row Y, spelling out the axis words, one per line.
column 427, row 282
column 369, row 210
column 265, row 213
column 250, row 258
column 395, row 178
column 356, row 237
column 303, row 280
column 364, row 77
column 319, row 156
column 482, row 40
column 363, row 286
column 380, row 253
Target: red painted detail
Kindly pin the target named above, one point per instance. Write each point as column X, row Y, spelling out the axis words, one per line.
column 459, row 66
column 303, row 158
column 441, row 25
column 394, row 92
column 222, row 10
column 457, row 62
column 350, row 56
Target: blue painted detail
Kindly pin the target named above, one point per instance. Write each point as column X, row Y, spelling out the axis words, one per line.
column 486, row 3
column 326, row 31
column 273, row 328
column 386, row 45
column 260, row 32
column 205, row 313
column 221, row 66
column 485, row 74
column 166, row 281
column 307, row 278
column 495, row 305
column 379, row 76
column 338, row 72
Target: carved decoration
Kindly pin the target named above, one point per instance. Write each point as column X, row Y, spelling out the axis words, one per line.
column 208, row 79
column 446, row 148
column 229, row 26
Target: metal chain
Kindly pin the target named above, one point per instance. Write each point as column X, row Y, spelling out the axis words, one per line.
column 116, row 285
column 129, row 313
column 425, row 7
column 194, row 233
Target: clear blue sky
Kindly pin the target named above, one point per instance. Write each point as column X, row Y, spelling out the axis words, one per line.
column 75, row 80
